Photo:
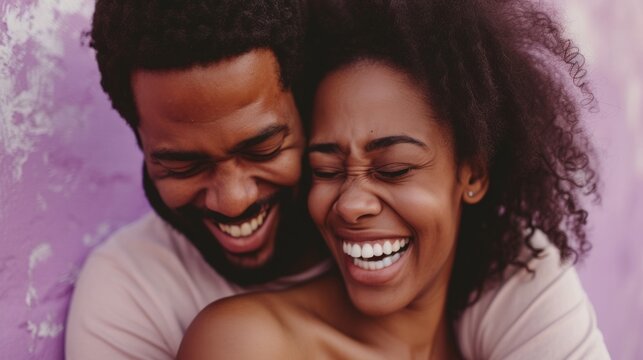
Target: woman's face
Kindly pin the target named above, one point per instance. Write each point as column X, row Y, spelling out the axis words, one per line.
column 387, row 191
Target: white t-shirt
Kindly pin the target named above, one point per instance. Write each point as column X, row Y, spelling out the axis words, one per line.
column 138, row 292
column 541, row 315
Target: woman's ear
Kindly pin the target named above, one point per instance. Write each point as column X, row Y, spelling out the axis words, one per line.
column 474, row 181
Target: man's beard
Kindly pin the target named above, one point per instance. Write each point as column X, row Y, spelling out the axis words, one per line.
column 296, row 235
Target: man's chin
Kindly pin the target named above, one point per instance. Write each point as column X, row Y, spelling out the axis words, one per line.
column 252, row 260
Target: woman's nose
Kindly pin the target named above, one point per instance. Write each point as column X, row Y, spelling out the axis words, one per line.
column 356, row 201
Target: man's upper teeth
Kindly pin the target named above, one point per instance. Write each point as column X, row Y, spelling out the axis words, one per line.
column 368, row 250
column 246, row 228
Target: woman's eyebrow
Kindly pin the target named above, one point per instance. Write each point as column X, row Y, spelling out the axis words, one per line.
column 379, row 143
column 375, row 144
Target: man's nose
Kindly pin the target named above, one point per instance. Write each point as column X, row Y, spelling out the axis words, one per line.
column 356, row 202
column 231, row 190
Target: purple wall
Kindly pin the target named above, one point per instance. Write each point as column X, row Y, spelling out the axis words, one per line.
column 610, row 35
column 70, row 168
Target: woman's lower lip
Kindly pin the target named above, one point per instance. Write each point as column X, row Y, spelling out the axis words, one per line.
column 375, row 276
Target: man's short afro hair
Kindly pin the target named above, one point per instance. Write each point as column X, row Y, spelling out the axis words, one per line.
column 179, row 34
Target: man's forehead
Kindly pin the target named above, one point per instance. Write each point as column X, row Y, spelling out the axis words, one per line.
column 217, row 89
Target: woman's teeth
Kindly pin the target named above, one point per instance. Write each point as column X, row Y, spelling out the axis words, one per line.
column 245, row 229
column 361, row 252
column 379, row 264
column 368, row 250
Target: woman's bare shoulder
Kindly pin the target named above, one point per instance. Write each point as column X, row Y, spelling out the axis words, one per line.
column 241, row 327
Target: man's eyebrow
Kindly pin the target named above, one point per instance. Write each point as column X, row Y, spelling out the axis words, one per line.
column 262, row 136
column 325, row 148
column 379, row 143
column 174, row 155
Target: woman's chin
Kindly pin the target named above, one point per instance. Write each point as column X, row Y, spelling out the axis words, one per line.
column 372, row 304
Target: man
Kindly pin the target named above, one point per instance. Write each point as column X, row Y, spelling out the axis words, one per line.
column 206, row 87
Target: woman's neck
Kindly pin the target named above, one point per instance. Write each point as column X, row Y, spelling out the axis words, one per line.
column 421, row 330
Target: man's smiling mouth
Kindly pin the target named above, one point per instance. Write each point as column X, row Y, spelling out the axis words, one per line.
column 247, row 227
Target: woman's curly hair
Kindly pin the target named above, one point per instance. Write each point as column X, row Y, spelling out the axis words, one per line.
column 502, row 76
column 177, row 34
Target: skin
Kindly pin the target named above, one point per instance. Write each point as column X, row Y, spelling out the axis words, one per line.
column 222, row 140
column 408, row 185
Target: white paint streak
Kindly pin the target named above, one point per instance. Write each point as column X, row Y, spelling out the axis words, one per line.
column 43, row 330
column 26, row 109
column 93, row 239
column 47, row 328
column 71, row 275
column 32, row 295
column 39, row 254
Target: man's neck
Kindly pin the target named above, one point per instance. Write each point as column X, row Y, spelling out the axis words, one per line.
column 312, row 256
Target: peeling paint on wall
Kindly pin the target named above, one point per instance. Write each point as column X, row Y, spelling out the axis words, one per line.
column 41, row 253
column 70, row 169
column 43, row 330
column 30, row 53
column 100, row 234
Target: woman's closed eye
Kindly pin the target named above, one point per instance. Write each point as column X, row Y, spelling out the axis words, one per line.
column 392, row 171
column 386, row 173
column 326, row 173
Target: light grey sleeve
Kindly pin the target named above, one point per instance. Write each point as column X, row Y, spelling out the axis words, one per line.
column 108, row 318
column 545, row 315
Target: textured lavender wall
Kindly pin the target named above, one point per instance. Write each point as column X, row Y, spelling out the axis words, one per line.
column 70, row 168
column 610, row 34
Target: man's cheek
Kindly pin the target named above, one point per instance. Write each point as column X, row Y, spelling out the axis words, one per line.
column 287, row 170
column 172, row 195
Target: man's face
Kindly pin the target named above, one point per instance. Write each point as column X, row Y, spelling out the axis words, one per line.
column 223, row 146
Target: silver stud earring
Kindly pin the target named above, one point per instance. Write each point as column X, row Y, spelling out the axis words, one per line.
column 470, row 193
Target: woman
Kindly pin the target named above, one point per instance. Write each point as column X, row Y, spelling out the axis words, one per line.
column 448, row 166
